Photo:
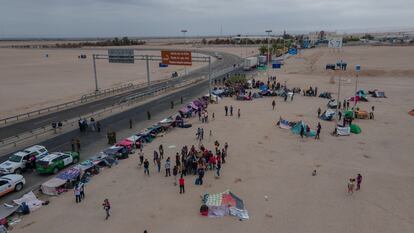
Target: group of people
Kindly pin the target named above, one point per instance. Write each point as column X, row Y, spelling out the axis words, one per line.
column 79, row 191
column 192, row 160
column 229, row 111
column 92, row 125
column 203, row 115
column 351, row 184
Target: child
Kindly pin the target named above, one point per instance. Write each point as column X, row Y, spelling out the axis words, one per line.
column 181, row 181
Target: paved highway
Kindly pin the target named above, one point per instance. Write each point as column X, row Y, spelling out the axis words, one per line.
column 93, row 143
column 76, row 111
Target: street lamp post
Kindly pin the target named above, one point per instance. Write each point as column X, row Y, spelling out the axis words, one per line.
column 357, row 70
column 268, row 52
column 184, row 31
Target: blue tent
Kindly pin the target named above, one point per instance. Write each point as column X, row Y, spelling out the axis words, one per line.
column 297, row 128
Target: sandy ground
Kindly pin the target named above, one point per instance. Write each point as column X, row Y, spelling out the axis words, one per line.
column 265, row 160
column 30, row 81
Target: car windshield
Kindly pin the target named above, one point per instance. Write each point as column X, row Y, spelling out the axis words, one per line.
column 15, row 158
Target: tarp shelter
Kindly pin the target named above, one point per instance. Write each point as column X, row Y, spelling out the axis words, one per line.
column 31, row 201
column 285, row 124
column 297, row 128
column 134, row 138
column 127, row 143
column 326, row 95
column 343, row 131
column 69, row 174
column 6, row 211
column 355, row 129
column 328, row 115
column 361, row 93
column 50, row 186
column 379, row 94
column 225, row 203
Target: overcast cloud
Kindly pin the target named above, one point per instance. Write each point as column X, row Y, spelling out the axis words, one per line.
column 94, row 18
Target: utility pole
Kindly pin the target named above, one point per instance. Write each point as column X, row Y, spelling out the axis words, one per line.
column 184, row 31
column 357, row 70
column 209, row 78
column 94, row 72
column 268, row 52
column 148, row 72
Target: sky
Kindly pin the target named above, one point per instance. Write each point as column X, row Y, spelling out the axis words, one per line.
column 146, row 18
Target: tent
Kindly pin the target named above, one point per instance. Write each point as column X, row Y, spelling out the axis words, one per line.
column 327, row 115
column 31, row 201
column 285, row 124
column 7, row 210
column 355, row 129
column 378, row 94
column 50, row 186
column 297, row 128
column 69, row 174
column 361, row 93
column 343, row 131
column 326, row 95
column 222, row 204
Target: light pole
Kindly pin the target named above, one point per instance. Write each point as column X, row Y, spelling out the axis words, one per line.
column 268, row 52
column 357, row 70
column 184, row 31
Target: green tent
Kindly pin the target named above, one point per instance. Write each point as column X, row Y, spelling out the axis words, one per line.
column 296, row 129
column 349, row 114
column 355, row 129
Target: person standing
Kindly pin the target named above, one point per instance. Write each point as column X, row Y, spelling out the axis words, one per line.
column 73, row 142
column 285, row 98
column 273, row 104
column 148, row 115
column 155, row 157
column 351, row 186
column 130, row 123
column 318, row 130
column 218, row 167
column 161, row 150
column 82, row 190
column 77, row 193
column 98, row 126
column 175, row 173
column 141, row 157
column 226, row 109
column 202, row 134
column 238, row 113
column 158, row 162
column 319, row 112
column 78, row 145
column 167, row 167
column 339, row 115
column 146, row 167
column 181, row 181
column 302, row 131
column 107, row 206
column 359, row 181
column 231, row 110
column 291, row 97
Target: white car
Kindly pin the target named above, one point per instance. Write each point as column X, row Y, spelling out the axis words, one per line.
column 10, row 183
column 17, row 162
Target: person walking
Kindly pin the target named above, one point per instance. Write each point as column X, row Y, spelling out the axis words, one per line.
column 82, row 190
column 339, row 115
column 155, row 158
column 167, row 167
column 273, row 104
column 291, row 97
column 182, row 182
column 226, row 109
column 98, row 126
column 146, row 167
column 218, row 167
column 231, row 110
column 319, row 112
column 107, row 206
column 285, row 98
column 318, row 130
column 351, row 185
column 73, row 142
column 77, row 193
column 359, row 181
column 238, row 113
column 148, row 115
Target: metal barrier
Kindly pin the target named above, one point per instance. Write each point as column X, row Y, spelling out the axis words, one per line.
column 36, row 133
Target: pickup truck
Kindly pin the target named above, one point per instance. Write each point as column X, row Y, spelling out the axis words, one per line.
column 17, row 161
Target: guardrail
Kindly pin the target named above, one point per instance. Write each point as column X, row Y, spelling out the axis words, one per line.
column 36, row 133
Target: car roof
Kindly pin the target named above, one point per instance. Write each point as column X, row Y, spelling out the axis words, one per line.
column 51, row 156
column 20, row 153
column 34, row 148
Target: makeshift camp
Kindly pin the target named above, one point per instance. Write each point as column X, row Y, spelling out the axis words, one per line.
column 327, row 115
column 358, row 99
column 355, row 129
column 51, row 186
column 126, row 143
column 332, row 104
column 298, row 126
column 361, row 93
column 342, row 131
column 243, row 97
column 31, row 201
column 120, row 152
column 222, row 204
column 285, row 124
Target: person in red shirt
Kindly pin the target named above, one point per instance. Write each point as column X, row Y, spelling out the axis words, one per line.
column 181, row 182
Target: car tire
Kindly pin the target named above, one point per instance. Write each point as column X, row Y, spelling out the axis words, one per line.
column 55, row 170
column 18, row 171
column 75, row 160
column 18, row 187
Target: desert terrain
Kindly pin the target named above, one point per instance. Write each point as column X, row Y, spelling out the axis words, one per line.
column 264, row 160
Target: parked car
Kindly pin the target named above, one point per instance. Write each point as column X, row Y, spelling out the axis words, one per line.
column 17, row 162
column 56, row 161
column 10, row 183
